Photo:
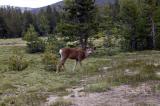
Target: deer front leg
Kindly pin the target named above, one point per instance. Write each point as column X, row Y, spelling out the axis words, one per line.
column 75, row 65
column 80, row 63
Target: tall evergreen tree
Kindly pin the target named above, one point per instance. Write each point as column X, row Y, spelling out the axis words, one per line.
column 3, row 28
column 129, row 15
column 43, row 25
column 151, row 5
column 51, row 15
column 80, row 20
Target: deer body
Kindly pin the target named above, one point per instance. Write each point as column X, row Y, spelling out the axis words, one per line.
column 77, row 54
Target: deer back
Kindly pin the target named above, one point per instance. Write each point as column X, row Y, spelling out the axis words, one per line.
column 73, row 53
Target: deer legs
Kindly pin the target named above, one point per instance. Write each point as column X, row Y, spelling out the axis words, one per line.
column 62, row 62
column 61, row 65
column 76, row 65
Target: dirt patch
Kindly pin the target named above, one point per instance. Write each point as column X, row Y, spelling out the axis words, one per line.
column 123, row 95
column 12, row 44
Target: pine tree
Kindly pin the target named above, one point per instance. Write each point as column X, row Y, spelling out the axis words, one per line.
column 3, row 28
column 79, row 20
column 129, row 15
column 30, row 34
column 43, row 25
column 51, row 15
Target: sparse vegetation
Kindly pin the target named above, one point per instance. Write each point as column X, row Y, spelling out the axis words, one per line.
column 98, row 87
column 50, row 61
column 17, row 62
column 62, row 102
column 34, row 43
column 36, row 46
column 22, row 99
column 115, row 29
column 124, row 68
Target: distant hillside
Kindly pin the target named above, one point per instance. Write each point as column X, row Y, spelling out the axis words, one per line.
column 60, row 4
column 98, row 2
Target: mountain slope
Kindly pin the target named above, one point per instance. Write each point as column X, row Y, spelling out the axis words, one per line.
column 60, row 4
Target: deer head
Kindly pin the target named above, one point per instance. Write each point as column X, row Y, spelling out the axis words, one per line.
column 89, row 51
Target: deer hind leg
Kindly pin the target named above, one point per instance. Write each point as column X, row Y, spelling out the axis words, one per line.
column 61, row 65
column 62, row 62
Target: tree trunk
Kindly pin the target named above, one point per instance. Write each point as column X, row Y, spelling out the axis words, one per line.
column 133, row 43
column 153, row 33
column 133, row 39
column 83, row 42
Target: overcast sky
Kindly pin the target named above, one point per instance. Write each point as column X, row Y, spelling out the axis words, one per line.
column 28, row 3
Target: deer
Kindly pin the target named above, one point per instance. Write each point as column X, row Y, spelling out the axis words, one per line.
column 77, row 54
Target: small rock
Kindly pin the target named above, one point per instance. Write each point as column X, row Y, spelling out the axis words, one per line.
column 105, row 68
column 158, row 73
column 156, row 64
column 72, row 95
column 69, row 90
column 82, row 94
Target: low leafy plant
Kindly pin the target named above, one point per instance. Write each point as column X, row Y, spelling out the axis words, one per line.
column 72, row 44
column 23, row 99
column 36, row 46
column 50, row 61
column 17, row 62
column 30, row 34
column 54, row 44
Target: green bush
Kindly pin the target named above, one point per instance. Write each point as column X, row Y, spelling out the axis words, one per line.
column 36, row 46
column 30, row 34
column 72, row 44
column 17, row 62
column 50, row 61
column 54, row 44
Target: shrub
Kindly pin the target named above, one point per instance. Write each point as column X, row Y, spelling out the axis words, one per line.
column 55, row 44
column 31, row 34
column 36, row 46
column 17, row 62
column 50, row 61
column 72, row 44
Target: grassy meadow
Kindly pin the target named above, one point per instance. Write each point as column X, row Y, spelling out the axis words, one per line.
column 99, row 73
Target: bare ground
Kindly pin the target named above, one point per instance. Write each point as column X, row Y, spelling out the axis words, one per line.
column 123, row 95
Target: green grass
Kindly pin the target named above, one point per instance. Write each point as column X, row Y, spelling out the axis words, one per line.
column 32, row 86
column 128, row 68
column 97, row 87
column 35, row 79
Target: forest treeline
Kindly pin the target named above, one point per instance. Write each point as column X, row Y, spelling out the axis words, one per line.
column 127, row 24
column 14, row 22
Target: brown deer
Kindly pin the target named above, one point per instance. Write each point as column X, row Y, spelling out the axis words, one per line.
column 77, row 54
